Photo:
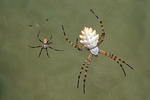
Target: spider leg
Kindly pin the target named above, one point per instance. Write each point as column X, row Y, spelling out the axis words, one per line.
column 71, row 43
column 77, row 41
column 35, row 46
column 126, row 63
column 40, row 52
column 47, row 52
column 101, row 38
column 38, row 36
column 50, row 39
column 83, row 65
column 86, row 69
column 115, row 58
column 54, row 48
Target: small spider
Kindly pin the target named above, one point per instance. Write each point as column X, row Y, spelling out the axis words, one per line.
column 45, row 45
column 90, row 41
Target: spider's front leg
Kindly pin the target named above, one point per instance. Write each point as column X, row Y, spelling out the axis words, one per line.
column 48, row 42
column 70, row 42
column 38, row 36
column 101, row 38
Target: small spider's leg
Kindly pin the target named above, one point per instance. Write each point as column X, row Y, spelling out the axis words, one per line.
column 50, row 39
column 40, row 52
column 38, row 36
column 71, row 43
column 35, row 46
column 47, row 52
column 86, row 69
column 54, row 48
column 101, row 38
column 115, row 58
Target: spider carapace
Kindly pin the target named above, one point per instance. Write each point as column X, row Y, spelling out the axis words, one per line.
column 90, row 40
column 45, row 44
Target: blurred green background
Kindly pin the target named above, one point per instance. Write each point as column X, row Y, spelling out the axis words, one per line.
column 24, row 76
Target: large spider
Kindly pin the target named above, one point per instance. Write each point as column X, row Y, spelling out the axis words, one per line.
column 90, row 41
column 45, row 45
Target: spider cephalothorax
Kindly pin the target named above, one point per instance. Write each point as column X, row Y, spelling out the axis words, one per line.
column 45, row 45
column 45, row 40
column 90, row 41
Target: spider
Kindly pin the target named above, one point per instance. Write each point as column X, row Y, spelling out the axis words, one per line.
column 90, row 41
column 45, row 45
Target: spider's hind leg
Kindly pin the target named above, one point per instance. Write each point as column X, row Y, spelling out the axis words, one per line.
column 83, row 65
column 115, row 58
column 40, row 52
column 47, row 53
column 86, row 69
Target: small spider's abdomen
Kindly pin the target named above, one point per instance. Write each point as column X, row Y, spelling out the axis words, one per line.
column 45, row 46
column 89, row 37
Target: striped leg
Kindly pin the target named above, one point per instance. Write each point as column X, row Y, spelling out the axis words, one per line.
column 71, row 43
column 38, row 36
column 115, row 58
column 86, row 69
column 101, row 38
column 83, row 65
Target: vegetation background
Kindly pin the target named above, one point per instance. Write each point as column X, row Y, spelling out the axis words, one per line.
column 25, row 76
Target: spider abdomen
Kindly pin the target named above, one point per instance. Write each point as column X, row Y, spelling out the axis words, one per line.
column 89, row 38
column 45, row 46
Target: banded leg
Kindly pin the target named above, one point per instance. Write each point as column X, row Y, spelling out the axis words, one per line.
column 101, row 38
column 125, row 63
column 35, row 46
column 86, row 69
column 115, row 58
column 38, row 36
column 81, row 70
column 40, row 52
column 71, row 43
column 54, row 48
column 47, row 52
